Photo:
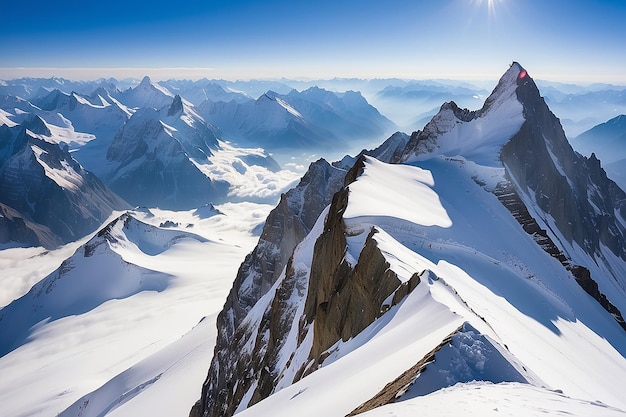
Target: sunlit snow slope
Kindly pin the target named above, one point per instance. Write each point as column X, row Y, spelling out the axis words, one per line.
column 418, row 277
column 111, row 318
column 477, row 266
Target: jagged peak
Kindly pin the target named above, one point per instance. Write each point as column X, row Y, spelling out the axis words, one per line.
column 52, row 100
column 146, row 81
column 506, row 89
column 462, row 114
column 268, row 95
column 37, row 125
column 176, row 107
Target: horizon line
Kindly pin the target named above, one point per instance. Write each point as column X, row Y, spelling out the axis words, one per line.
column 198, row 73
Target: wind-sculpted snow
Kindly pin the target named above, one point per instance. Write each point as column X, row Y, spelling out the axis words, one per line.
column 428, row 243
column 477, row 136
column 135, row 340
column 96, row 273
column 487, row 400
column 71, row 118
column 392, row 191
column 260, row 277
column 536, row 311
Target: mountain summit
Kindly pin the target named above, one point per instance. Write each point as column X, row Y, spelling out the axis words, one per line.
column 488, row 251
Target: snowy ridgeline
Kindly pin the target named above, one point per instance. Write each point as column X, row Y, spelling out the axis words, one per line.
column 505, row 310
column 417, row 274
column 129, row 314
column 473, row 316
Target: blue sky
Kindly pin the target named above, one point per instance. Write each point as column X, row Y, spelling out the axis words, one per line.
column 560, row 40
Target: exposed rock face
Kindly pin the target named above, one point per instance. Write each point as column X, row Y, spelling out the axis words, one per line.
column 17, row 230
column 426, row 140
column 42, row 182
column 392, row 390
column 572, row 189
column 344, row 299
column 285, row 227
column 152, row 167
column 583, row 277
column 280, row 324
column 176, row 107
column 306, row 308
column 569, row 195
column 509, row 197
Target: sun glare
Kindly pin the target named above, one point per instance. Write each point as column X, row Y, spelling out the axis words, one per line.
column 491, row 6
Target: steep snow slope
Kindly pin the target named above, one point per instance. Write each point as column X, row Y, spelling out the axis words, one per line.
column 40, row 180
column 173, row 159
column 425, row 268
column 485, row 399
column 477, row 265
column 569, row 198
column 110, row 329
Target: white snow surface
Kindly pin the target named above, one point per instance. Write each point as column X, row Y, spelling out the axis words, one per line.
column 129, row 352
column 481, row 139
column 393, row 192
column 483, row 270
column 64, row 178
column 486, row 399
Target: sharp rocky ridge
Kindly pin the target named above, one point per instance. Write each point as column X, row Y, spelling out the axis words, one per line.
column 564, row 200
column 347, row 250
column 57, row 198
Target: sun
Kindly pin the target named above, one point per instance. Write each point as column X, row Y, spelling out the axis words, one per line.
column 491, row 6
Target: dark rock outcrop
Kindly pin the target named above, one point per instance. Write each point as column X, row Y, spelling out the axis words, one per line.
column 285, row 227
column 176, row 107
column 508, row 196
column 583, row 277
column 344, row 299
column 19, row 231
column 281, row 301
column 340, row 300
column 390, row 393
column 45, row 185
column 570, row 188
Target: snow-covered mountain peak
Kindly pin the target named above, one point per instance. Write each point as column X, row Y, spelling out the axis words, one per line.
column 146, row 81
column 52, row 100
column 36, row 125
column 106, row 267
column 147, row 94
column 129, row 230
column 480, row 134
column 506, row 89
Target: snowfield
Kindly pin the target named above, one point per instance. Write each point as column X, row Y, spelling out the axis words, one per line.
column 149, row 332
column 527, row 324
column 486, row 399
column 481, row 319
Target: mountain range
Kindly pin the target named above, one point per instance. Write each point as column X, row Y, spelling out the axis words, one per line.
column 474, row 266
column 487, row 250
column 607, row 141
